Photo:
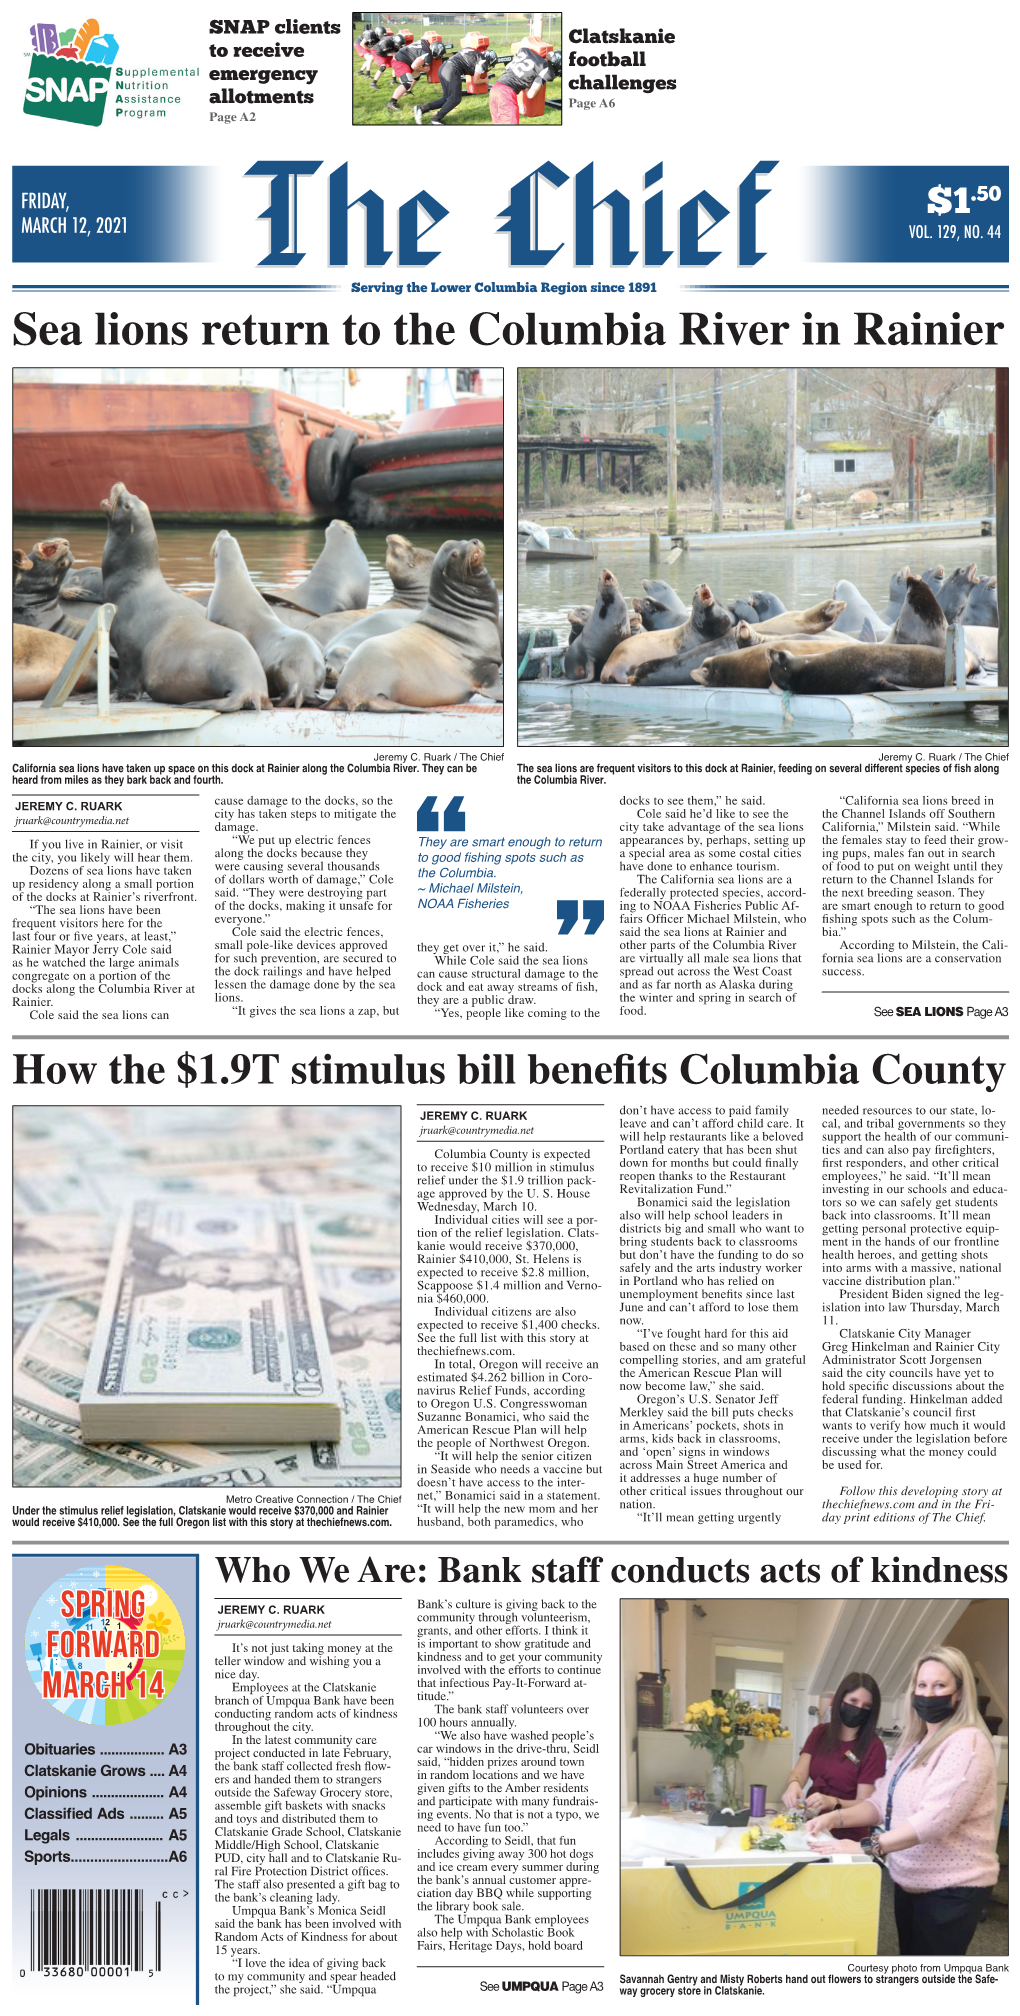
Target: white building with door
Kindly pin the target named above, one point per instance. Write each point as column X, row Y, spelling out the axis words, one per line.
column 842, row 465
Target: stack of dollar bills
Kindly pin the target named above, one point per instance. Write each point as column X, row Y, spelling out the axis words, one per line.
column 87, row 1182
column 210, row 1328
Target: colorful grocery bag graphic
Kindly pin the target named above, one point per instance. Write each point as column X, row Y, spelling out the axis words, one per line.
column 70, row 73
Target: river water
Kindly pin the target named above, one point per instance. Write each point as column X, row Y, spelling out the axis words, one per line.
column 800, row 577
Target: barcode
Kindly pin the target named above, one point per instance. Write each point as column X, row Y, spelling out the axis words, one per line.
column 86, row 1928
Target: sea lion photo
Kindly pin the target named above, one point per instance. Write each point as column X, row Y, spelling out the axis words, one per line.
column 293, row 664
column 166, row 649
column 453, row 651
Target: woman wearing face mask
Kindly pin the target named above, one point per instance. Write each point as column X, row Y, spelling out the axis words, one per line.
column 932, row 1817
column 843, row 1758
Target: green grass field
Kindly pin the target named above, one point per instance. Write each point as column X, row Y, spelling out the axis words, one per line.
column 369, row 107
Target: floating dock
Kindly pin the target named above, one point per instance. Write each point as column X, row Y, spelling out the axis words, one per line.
column 141, row 726
column 559, row 549
column 707, row 703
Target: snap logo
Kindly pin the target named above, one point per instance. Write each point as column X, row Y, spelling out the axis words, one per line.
column 69, row 74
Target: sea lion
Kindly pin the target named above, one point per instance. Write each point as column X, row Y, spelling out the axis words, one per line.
column 652, row 614
column 748, row 664
column 165, row 646
column 856, row 614
column 408, row 567
column 955, row 591
column 665, row 657
column 765, row 604
column 605, row 628
column 742, row 610
column 897, row 590
column 410, row 571
column 340, row 579
column 577, row 618
column 450, row 653
column 39, row 656
column 920, row 620
column 83, row 584
column 858, row 668
column 983, row 640
column 803, row 622
column 38, row 580
column 982, row 604
column 378, row 623
column 933, row 577
column 662, row 592
column 293, row 664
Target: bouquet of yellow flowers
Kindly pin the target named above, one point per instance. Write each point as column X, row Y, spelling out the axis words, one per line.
column 723, row 1724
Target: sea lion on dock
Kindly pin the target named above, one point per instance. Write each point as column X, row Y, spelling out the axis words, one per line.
column 40, row 657
column 983, row 640
column 293, row 664
column 955, row 591
column 410, row 571
column 857, row 613
column 982, row 604
column 409, row 568
column 450, row 653
column 605, row 628
column 165, row 647
column 652, row 614
column 665, row 657
column 378, row 623
column 859, row 668
column 765, row 604
column 802, row 622
column 920, row 620
column 660, row 591
column 897, row 590
column 38, row 582
column 749, row 664
column 340, row 579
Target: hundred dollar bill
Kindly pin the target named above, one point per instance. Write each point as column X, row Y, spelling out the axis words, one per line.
column 210, row 1330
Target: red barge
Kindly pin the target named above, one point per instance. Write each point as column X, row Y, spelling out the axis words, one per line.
column 239, row 454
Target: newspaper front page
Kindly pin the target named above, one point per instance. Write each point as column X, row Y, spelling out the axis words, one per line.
column 509, row 1035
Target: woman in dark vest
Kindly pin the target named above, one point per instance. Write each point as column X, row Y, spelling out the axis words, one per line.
column 843, row 1758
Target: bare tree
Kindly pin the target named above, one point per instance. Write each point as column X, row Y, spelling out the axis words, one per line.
column 910, row 401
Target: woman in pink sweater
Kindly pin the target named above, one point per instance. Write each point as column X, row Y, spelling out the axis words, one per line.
column 933, row 1814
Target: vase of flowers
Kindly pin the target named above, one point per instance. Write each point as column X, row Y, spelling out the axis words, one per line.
column 728, row 1785
column 722, row 1725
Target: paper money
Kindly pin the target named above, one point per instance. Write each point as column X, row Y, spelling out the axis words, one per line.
column 49, row 1452
column 49, row 1367
column 210, row 1330
column 77, row 1170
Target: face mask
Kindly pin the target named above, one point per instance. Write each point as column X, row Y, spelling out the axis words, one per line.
column 851, row 1717
column 934, row 1707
